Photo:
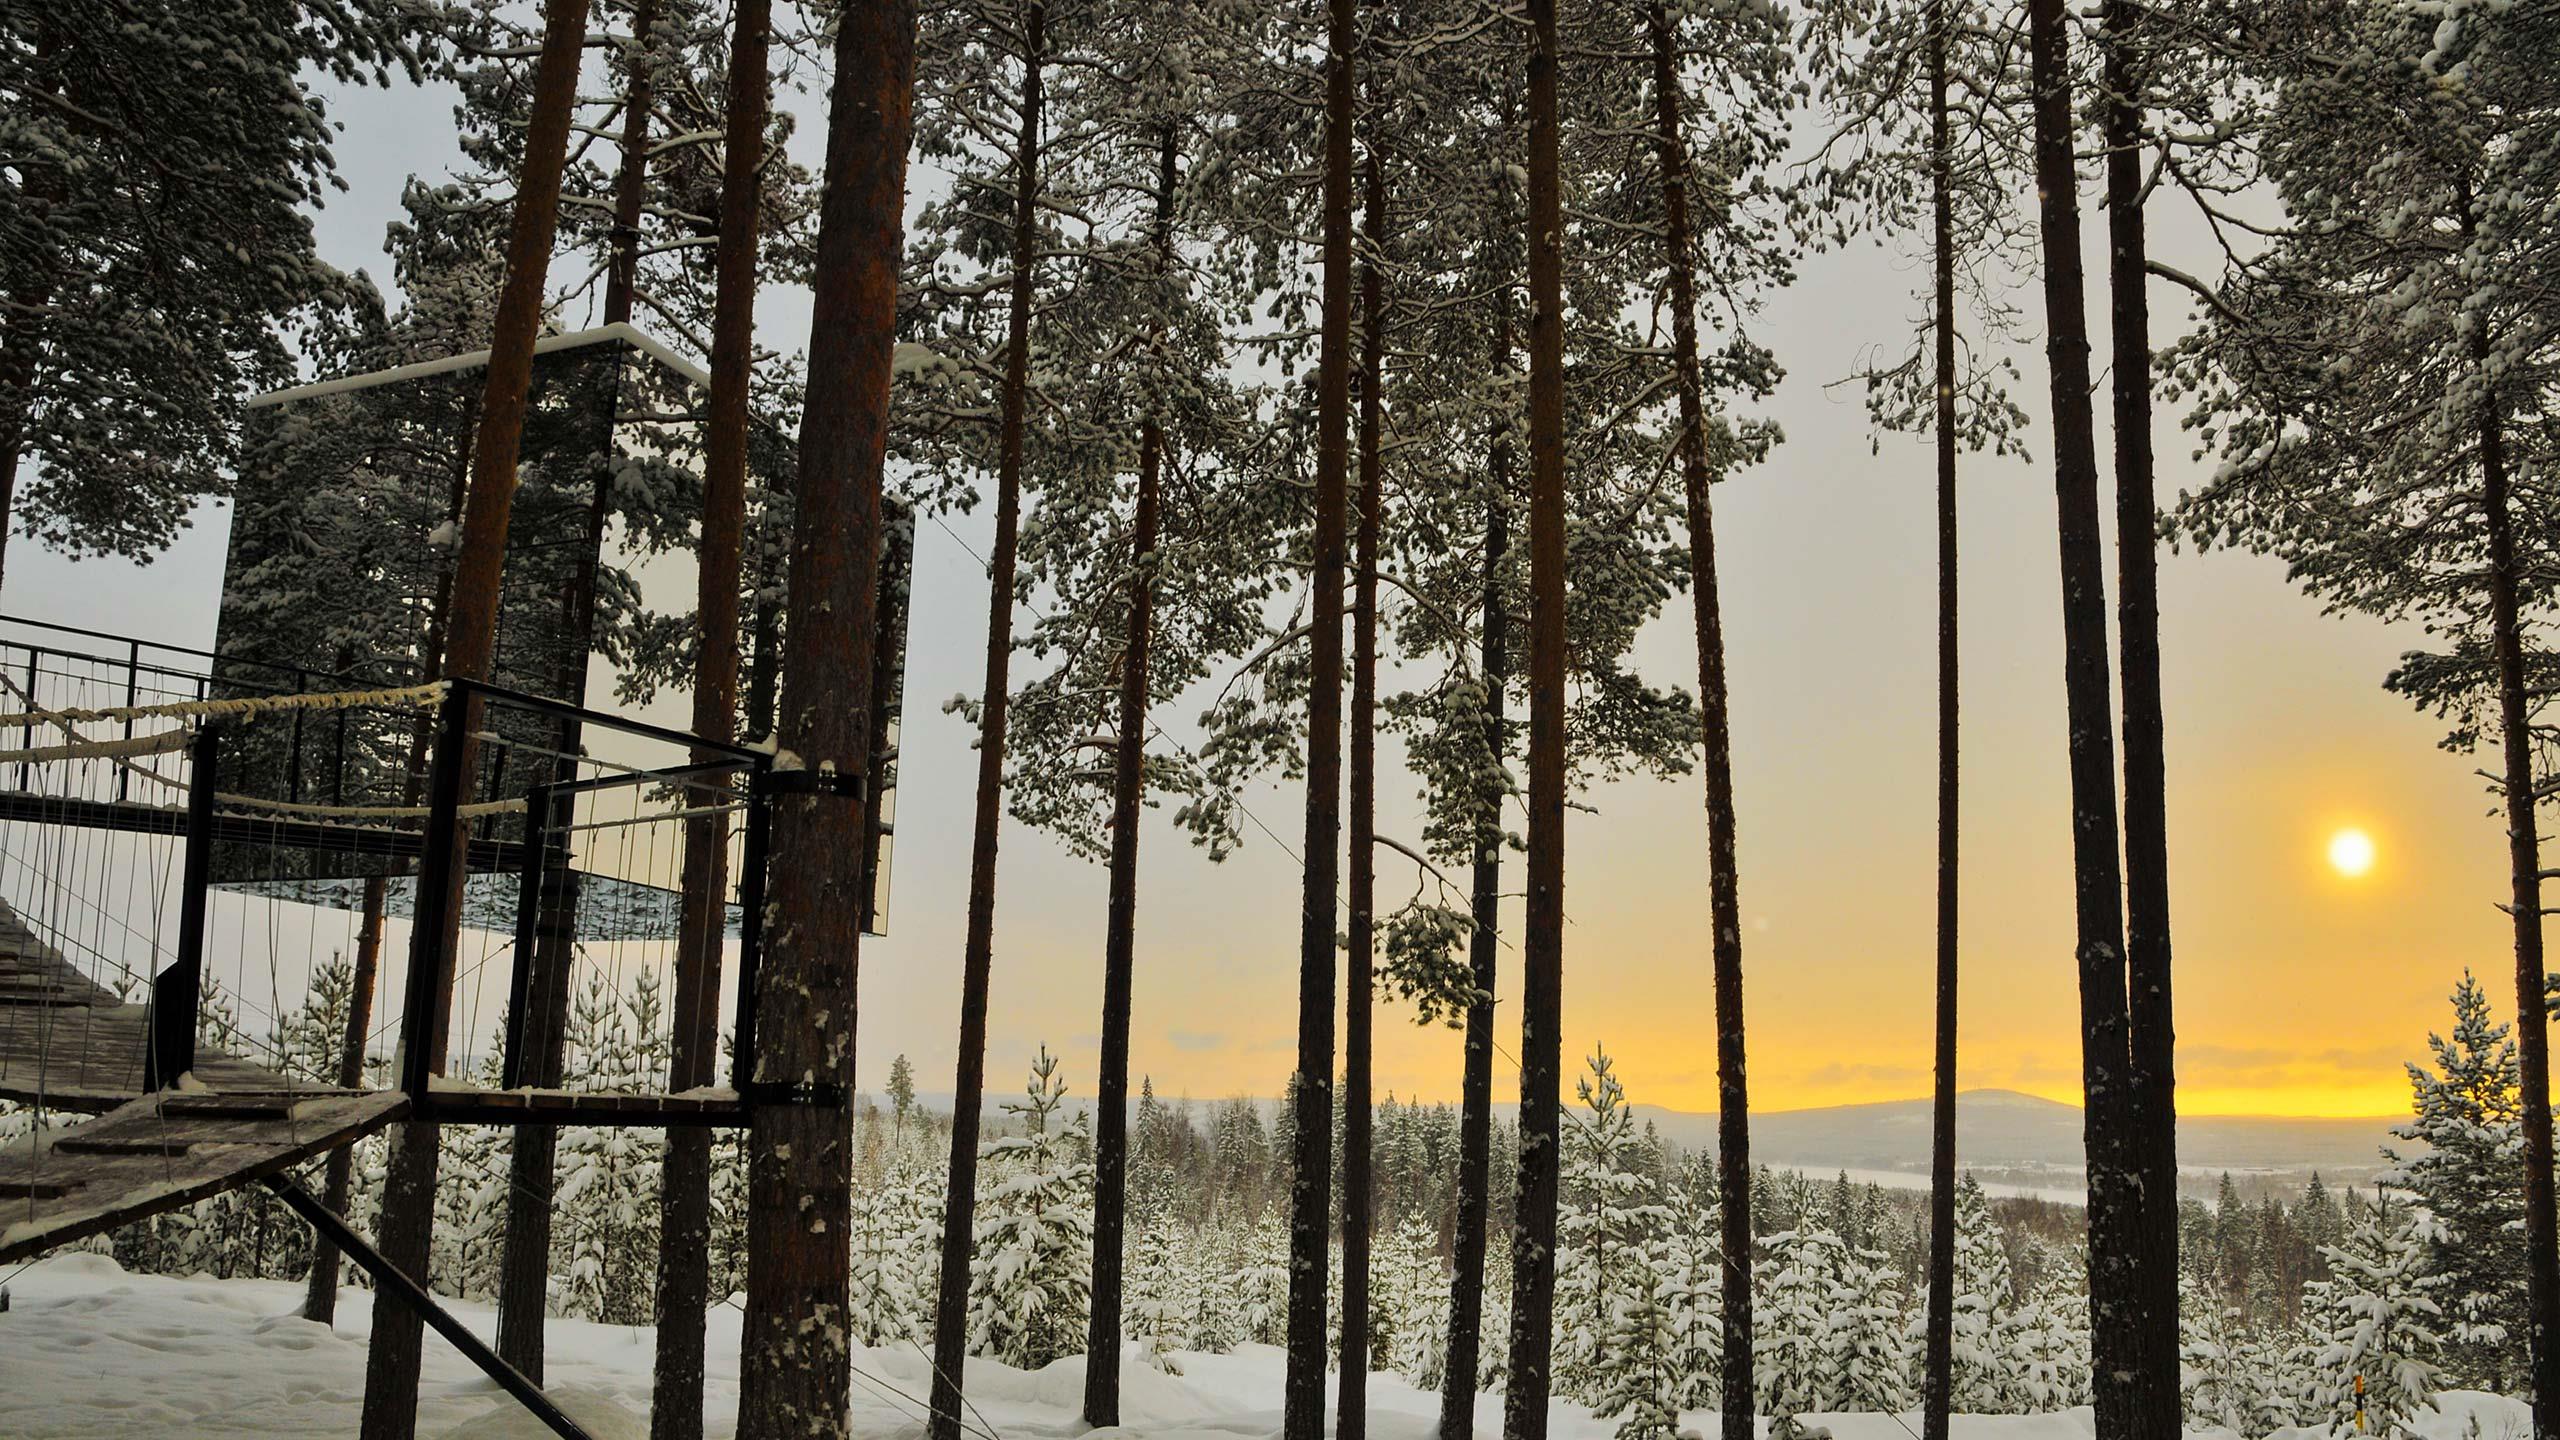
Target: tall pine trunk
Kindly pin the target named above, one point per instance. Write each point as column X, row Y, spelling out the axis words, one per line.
column 2115, row 1295
column 2524, row 899
column 1938, row 1358
column 1351, row 1409
column 1533, row 1239
column 1311, row 1086
column 631, row 183
column 524, row 1280
column 1733, row 1116
column 2152, row 1041
column 1469, row 1240
column 796, row 1351
column 1119, row 949
column 409, row 1185
column 951, row 1303
column 684, row 1207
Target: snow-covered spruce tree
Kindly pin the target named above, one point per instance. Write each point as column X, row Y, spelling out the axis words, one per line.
column 2242, row 1377
column 1638, row 1381
column 1610, row 1217
column 1691, row 1280
column 1029, row 1281
column 1795, row 1348
column 2466, row 1167
column 2047, row 1349
column 1155, row 1309
column 1413, row 1303
column 607, row 1193
column 897, row 1237
column 2368, row 380
column 1982, row 1350
column 1872, row 1332
column 2376, row 1325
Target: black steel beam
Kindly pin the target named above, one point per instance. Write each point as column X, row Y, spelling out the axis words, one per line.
column 391, row 1278
column 445, row 1108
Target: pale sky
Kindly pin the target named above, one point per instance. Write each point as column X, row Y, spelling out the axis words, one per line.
column 2299, row 991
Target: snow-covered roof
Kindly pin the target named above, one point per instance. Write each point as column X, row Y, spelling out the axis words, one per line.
column 621, row 331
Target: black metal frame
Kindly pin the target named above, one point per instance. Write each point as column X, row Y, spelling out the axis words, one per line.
column 436, row 931
column 169, row 1023
column 171, row 1029
column 392, row 1278
column 222, row 673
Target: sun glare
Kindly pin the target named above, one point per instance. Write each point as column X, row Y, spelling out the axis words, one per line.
column 2351, row 852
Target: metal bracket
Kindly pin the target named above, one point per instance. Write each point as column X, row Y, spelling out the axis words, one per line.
column 809, row 782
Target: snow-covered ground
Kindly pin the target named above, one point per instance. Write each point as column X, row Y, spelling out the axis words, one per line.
column 89, row 1350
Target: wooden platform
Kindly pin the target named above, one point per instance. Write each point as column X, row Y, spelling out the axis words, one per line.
column 453, row 1103
column 164, row 1152
column 67, row 1043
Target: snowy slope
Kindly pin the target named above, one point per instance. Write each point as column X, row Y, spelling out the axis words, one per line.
column 88, row 1350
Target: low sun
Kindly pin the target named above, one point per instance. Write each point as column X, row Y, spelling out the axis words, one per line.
column 2351, row 852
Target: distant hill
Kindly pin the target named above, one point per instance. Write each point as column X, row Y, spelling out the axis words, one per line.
column 2004, row 1130
column 2019, row 1143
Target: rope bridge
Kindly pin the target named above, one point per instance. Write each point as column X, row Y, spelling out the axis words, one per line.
column 308, row 803
column 536, row 848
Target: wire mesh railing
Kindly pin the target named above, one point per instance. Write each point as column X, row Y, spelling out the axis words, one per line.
column 580, row 986
column 232, row 854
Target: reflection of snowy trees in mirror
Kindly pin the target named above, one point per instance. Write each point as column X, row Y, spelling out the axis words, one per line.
column 2286, row 1300
column 609, row 909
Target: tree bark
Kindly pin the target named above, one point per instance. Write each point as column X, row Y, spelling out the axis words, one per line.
column 1468, row 1240
column 2114, row 1285
column 796, row 1349
column 1533, row 1240
column 1733, row 1117
column 1311, row 1086
column 1351, row 1409
column 951, row 1308
column 1128, row 794
column 2524, row 906
column 684, row 1223
column 1938, row 1364
column 2152, row 1103
column 408, row 1205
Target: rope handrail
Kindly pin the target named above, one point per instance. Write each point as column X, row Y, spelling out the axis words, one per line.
column 244, row 708
column 163, row 743
column 471, row 811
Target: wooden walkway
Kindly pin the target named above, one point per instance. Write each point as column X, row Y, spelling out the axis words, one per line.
column 67, row 1043
column 164, row 1152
